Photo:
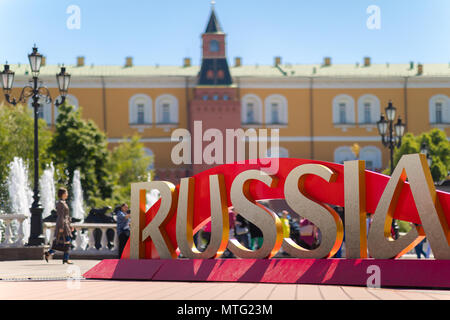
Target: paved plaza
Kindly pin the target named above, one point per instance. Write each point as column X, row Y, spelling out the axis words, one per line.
column 36, row 280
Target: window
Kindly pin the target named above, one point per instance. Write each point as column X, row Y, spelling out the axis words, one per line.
column 141, row 114
column 220, row 74
column 216, row 97
column 439, row 109
column 205, row 97
column 275, row 113
column 372, row 156
column 343, row 154
column 438, row 112
column 251, row 109
column 210, row 74
column 279, row 152
column 167, row 109
column 343, row 110
column 149, row 153
column 225, row 97
column 368, row 109
column 166, row 113
column 276, row 110
column 342, row 113
column 250, row 113
column 367, row 113
column 214, row 46
column 140, row 110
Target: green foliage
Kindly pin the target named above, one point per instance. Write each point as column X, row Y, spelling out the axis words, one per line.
column 17, row 140
column 79, row 144
column 438, row 148
column 129, row 164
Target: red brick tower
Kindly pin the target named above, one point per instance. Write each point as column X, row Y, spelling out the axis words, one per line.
column 216, row 103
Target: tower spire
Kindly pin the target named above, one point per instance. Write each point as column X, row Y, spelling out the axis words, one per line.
column 213, row 24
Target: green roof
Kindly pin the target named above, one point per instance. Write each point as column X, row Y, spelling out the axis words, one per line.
column 285, row 70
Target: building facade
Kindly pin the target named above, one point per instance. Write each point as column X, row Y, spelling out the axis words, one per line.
column 320, row 110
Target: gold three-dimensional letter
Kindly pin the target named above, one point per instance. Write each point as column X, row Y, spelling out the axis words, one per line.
column 265, row 220
column 324, row 217
column 156, row 228
column 381, row 246
column 219, row 219
column 355, row 209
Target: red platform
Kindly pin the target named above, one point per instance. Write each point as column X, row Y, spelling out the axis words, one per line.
column 393, row 273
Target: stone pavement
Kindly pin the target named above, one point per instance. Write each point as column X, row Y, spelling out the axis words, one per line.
column 35, row 280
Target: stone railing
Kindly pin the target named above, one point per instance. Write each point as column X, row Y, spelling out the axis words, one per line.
column 12, row 238
column 85, row 242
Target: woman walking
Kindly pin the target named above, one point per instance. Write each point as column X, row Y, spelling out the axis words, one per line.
column 62, row 229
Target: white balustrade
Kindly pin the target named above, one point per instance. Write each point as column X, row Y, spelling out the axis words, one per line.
column 10, row 239
column 81, row 229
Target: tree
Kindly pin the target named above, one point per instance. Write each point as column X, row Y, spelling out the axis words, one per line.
column 438, row 148
column 129, row 164
column 17, row 140
column 79, row 144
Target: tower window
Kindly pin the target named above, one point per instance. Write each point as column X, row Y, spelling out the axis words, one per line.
column 220, row 74
column 216, row 97
column 226, row 97
column 214, row 46
column 210, row 74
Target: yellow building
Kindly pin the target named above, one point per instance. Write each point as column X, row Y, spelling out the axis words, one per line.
column 321, row 110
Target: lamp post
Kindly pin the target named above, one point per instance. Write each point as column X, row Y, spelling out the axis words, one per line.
column 391, row 134
column 424, row 150
column 36, row 91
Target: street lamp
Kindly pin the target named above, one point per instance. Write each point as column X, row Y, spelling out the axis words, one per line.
column 391, row 137
column 424, row 150
column 38, row 93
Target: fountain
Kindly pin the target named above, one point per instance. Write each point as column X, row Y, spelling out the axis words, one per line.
column 77, row 201
column 47, row 186
column 20, row 195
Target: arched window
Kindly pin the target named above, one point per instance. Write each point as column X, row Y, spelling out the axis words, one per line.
column 150, row 153
column 220, row 74
column 439, row 109
column 276, row 110
column 140, row 110
column 280, row 153
column 210, row 74
column 343, row 110
column 342, row 154
column 372, row 156
column 251, row 111
column 70, row 100
column 368, row 109
column 45, row 110
column 167, row 109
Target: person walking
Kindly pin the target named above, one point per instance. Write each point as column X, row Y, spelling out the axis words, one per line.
column 63, row 229
column 123, row 227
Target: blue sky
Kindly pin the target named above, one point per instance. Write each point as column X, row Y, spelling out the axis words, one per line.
column 163, row 32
